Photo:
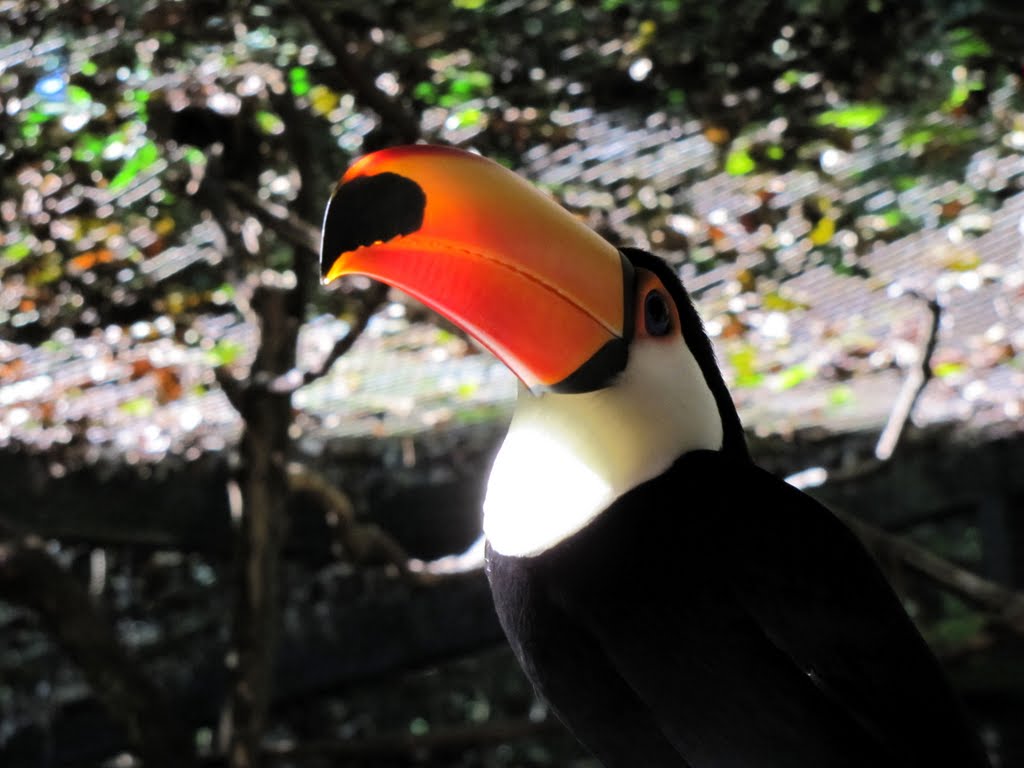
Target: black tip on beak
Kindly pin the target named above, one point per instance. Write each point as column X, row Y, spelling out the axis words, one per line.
column 368, row 210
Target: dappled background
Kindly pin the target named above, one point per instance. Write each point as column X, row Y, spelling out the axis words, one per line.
column 841, row 185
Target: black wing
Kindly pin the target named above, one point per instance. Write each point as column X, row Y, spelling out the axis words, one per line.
column 736, row 619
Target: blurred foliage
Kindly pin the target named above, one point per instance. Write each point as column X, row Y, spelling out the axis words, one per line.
column 114, row 111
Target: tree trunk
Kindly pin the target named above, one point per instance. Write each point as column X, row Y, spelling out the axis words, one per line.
column 263, row 489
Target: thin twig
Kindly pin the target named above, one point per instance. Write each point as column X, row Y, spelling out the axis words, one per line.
column 286, row 224
column 392, row 112
column 472, row 559
column 913, row 385
column 293, row 379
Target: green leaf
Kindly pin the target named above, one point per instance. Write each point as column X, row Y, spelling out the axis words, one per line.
column 840, row 395
column 775, row 301
column 918, row 138
column 744, row 365
column 425, row 91
column 143, row 157
column 15, row 252
column 88, row 147
column 298, row 79
column 952, row 368
column 269, row 123
column 739, row 163
column 966, row 43
column 470, row 117
column 224, row 353
column 469, row 5
column 78, row 95
column 89, row 68
column 856, row 117
column 138, row 406
column 795, row 374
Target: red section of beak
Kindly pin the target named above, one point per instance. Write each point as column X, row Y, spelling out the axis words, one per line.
column 490, row 252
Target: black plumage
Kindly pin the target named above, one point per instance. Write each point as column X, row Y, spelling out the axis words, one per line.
column 716, row 616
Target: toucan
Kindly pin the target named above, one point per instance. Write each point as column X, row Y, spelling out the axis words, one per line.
column 675, row 604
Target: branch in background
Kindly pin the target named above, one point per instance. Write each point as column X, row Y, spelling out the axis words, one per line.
column 1005, row 605
column 474, row 558
column 31, row 578
column 294, row 379
column 392, row 113
column 304, row 235
column 285, row 224
column 365, row 544
column 917, row 379
column 262, row 489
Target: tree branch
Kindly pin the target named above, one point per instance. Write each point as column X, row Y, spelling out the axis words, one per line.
column 913, row 385
column 289, row 227
column 365, row 544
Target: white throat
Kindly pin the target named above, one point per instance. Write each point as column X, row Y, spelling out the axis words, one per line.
column 566, row 458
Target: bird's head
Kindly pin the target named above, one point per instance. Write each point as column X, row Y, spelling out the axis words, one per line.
column 619, row 377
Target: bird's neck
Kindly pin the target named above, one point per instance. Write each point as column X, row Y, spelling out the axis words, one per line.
column 566, row 458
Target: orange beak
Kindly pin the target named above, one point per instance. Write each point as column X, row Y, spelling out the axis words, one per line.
column 490, row 252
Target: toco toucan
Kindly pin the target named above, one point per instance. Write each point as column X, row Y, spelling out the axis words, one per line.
column 674, row 603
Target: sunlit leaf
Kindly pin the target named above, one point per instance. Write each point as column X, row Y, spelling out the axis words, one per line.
column 949, row 368
column 425, row 91
column 966, row 44
column 138, row 406
column 776, row 302
column 823, row 231
column 469, row 5
column 269, row 123
column 962, row 260
column 856, row 117
column 795, row 374
column 744, row 364
column 78, row 95
column 918, row 138
column 298, row 79
column 224, row 352
column 143, row 157
column 89, row 68
column 840, row 396
column 739, row 163
column 470, row 117
column 323, row 100
column 15, row 252
column 962, row 91
column 87, row 148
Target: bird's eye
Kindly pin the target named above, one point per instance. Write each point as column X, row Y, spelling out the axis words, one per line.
column 657, row 316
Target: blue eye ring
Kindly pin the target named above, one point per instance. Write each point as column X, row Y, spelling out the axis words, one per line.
column 657, row 315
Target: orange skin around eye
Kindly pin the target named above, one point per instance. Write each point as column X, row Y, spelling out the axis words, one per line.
column 647, row 281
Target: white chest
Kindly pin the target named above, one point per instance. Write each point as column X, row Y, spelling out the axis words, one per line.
column 566, row 458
